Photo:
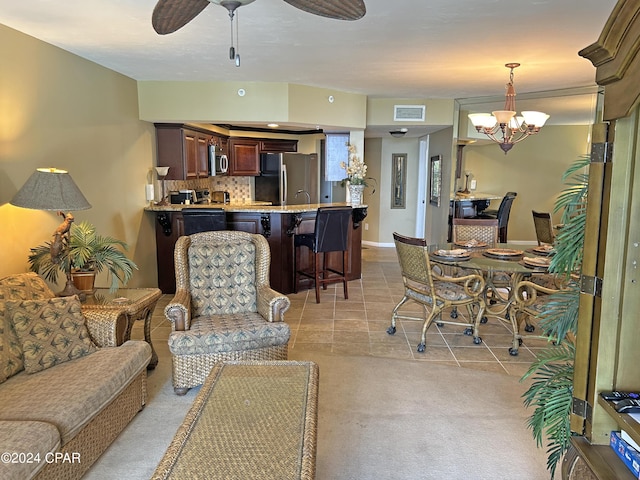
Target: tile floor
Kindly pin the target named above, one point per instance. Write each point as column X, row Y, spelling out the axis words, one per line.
column 357, row 326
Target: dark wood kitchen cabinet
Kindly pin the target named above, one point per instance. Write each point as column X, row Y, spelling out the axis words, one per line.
column 184, row 150
column 244, row 153
column 244, row 156
column 278, row 146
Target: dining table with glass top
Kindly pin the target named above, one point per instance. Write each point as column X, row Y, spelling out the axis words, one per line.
column 502, row 265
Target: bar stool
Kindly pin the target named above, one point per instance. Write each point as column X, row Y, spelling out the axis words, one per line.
column 330, row 235
column 198, row 220
column 502, row 214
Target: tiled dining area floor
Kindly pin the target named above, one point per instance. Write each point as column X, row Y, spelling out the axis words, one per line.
column 358, row 326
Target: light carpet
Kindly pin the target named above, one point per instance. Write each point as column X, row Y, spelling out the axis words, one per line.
column 379, row 419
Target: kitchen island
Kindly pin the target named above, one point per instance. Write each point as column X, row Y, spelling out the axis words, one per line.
column 276, row 223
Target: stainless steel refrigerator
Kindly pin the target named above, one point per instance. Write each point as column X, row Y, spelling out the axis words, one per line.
column 288, row 179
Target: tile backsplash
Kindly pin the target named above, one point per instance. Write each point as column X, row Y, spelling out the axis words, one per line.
column 240, row 188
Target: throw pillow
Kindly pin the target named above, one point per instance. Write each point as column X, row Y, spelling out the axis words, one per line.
column 51, row 331
column 10, row 347
column 17, row 287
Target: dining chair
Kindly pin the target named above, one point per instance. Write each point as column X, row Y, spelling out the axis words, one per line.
column 468, row 231
column 532, row 297
column 331, row 234
column 502, row 214
column 544, row 227
column 433, row 291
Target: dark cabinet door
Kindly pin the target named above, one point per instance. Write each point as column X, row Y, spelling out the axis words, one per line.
column 244, row 157
column 278, row 146
column 191, row 155
column 202, row 155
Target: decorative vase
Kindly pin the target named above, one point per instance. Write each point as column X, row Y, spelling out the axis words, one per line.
column 355, row 192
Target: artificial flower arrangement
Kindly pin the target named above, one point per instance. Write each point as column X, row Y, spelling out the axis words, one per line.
column 356, row 169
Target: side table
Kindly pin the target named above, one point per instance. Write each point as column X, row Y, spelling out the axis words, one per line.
column 138, row 304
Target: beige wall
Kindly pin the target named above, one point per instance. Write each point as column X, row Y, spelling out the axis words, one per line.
column 533, row 169
column 437, row 218
column 60, row 110
column 261, row 102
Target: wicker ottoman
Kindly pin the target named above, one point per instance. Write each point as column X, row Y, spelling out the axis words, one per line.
column 251, row 419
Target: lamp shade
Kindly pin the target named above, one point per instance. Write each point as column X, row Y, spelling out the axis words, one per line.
column 50, row 189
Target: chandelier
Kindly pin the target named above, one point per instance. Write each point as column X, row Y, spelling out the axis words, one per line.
column 503, row 126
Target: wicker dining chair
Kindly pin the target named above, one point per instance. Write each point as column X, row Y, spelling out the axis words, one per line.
column 544, row 227
column 480, row 230
column 224, row 307
column 434, row 292
column 531, row 299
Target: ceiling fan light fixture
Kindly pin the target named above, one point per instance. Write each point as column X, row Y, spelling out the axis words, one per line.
column 503, row 126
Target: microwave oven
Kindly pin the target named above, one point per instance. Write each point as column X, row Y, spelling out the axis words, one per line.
column 218, row 163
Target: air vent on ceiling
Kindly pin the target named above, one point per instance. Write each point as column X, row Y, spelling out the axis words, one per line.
column 408, row 113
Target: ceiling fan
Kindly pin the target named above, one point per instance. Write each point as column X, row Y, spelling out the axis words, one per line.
column 171, row 15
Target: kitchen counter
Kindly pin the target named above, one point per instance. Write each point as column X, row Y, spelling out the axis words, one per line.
column 277, row 223
column 261, row 207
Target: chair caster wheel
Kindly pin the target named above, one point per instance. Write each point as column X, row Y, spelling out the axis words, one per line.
column 454, row 314
column 468, row 331
column 484, row 320
column 529, row 328
column 391, row 330
column 440, row 324
column 513, row 352
column 520, row 341
column 421, row 348
column 477, row 340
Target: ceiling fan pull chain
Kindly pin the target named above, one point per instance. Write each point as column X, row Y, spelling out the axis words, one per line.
column 232, row 50
column 237, row 58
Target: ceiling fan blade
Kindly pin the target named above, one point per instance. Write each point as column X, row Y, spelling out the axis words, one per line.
column 170, row 15
column 338, row 9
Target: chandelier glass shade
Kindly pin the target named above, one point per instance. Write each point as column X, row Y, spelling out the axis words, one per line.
column 503, row 126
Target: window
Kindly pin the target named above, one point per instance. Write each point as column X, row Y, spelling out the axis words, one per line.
column 337, row 152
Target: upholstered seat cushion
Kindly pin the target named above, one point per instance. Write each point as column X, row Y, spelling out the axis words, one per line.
column 453, row 292
column 228, row 333
column 34, row 439
column 541, row 304
column 82, row 386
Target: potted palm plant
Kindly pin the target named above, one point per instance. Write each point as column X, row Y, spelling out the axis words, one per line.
column 551, row 390
column 87, row 254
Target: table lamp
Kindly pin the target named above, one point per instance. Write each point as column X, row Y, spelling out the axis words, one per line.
column 162, row 173
column 54, row 190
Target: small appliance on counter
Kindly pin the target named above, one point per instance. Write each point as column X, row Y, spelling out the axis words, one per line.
column 218, row 196
column 187, row 197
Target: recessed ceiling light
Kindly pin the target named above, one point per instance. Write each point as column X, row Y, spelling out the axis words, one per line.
column 273, row 125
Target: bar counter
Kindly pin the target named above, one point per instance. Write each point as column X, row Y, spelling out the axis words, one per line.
column 277, row 223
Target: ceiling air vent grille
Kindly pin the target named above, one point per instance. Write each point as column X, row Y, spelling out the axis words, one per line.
column 408, row 113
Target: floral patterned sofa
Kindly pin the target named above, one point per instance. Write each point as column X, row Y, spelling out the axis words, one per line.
column 67, row 389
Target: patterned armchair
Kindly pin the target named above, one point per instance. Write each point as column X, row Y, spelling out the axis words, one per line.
column 224, row 308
